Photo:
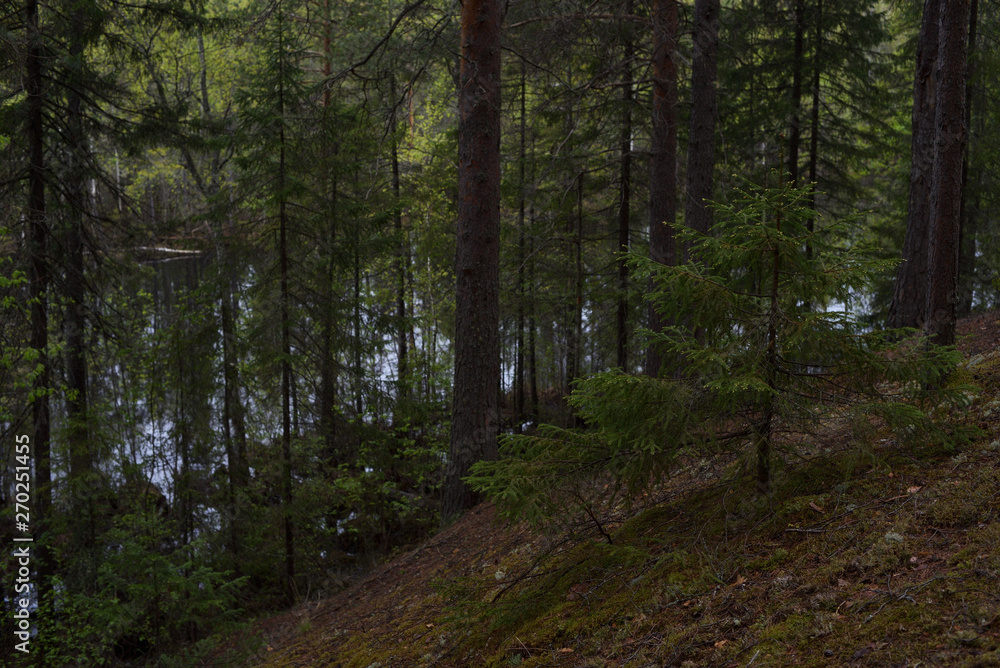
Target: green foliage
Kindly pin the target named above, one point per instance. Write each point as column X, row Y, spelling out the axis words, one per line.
column 383, row 497
column 202, row 122
column 147, row 596
column 761, row 347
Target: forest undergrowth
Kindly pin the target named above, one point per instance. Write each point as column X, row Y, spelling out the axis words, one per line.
column 865, row 554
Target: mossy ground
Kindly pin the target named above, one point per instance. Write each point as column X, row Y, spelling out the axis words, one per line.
column 865, row 555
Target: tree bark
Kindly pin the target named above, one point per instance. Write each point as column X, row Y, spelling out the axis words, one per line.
column 795, row 122
column 521, row 259
column 946, row 178
column 625, row 196
column 328, row 368
column 574, row 329
column 910, row 294
column 402, row 266
column 970, row 208
column 814, row 120
column 286, row 326
column 477, row 310
column 74, row 325
column 532, row 320
column 38, row 280
column 763, row 429
column 704, row 108
column 663, row 156
column 357, row 366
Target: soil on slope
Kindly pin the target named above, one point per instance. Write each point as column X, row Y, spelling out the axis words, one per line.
column 397, row 605
column 379, row 607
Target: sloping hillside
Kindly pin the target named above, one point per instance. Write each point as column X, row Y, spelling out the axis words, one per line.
column 866, row 555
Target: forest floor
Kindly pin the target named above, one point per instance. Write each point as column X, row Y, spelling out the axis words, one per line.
column 865, row 555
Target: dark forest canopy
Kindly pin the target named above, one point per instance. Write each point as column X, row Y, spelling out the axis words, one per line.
column 232, row 308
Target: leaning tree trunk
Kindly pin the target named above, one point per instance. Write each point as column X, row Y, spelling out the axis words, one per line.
column 910, row 295
column 946, row 179
column 663, row 156
column 477, row 259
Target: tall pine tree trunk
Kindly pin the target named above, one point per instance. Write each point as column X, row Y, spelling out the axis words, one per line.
column 814, row 116
column 402, row 266
column 798, row 64
column 521, row 259
column 356, row 364
column 574, row 330
column 477, row 311
column 233, row 419
column 74, row 325
column 238, row 475
column 910, row 295
column 532, row 320
column 946, row 179
column 970, row 207
column 38, row 280
column 572, row 342
column 704, row 107
column 532, row 330
column 663, row 155
column 328, row 368
column 625, row 196
column 286, row 325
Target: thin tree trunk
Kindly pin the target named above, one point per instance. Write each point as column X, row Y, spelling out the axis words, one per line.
column 625, row 196
column 521, row 259
column 946, row 179
column 229, row 402
column 763, row 429
column 296, row 433
column 238, row 412
column 814, row 120
column 357, row 362
column 230, row 396
column 663, row 156
column 328, row 380
column 532, row 321
column 477, row 347
column 328, row 370
column 910, row 295
column 233, row 419
column 74, row 325
column 402, row 266
column 286, row 344
column 795, row 129
column 574, row 339
column 38, row 280
column 704, row 108
column 572, row 342
column 970, row 211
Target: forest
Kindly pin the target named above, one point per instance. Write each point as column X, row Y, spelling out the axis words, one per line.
column 288, row 286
